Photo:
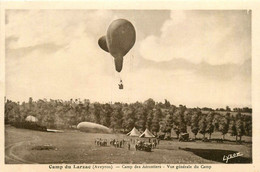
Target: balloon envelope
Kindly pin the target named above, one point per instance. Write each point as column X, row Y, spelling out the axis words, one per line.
column 103, row 43
column 31, row 119
column 120, row 39
column 93, row 128
column 119, row 63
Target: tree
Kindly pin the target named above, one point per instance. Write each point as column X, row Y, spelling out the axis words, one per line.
column 181, row 121
column 116, row 117
column 167, row 104
column 50, row 121
column 176, row 123
column 97, row 112
column 210, row 126
column 149, row 119
column 224, row 125
column 140, row 114
column 216, row 121
column 84, row 111
column 177, row 130
column 195, row 123
column 155, row 126
column 10, row 112
column 247, row 109
column 107, row 111
column 248, row 125
column 239, row 126
column 228, row 109
column 149, row 104
column 128, row 118
column 167, row 124
column 232, row 127
column 187, row 117
column 30, row 102
column 203, row 126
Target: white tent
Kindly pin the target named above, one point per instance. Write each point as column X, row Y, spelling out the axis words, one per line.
column 31, row 119
column 134, row 133
column 147, row 134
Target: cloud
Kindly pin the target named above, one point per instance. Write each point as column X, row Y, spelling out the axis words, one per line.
column 54, row 54
column 215, row 37
column 35, row 27
column 75, row 71
column 189, row 88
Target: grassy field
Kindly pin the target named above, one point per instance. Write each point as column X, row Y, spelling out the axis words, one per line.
column 76, row 147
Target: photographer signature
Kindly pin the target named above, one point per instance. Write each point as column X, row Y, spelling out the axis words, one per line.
column 230, row 156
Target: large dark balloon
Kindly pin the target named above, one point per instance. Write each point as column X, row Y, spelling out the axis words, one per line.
column 119, row 40
column 103, row 43
column 120, row 37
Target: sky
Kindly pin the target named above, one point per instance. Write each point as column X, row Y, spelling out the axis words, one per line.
column 195, row 58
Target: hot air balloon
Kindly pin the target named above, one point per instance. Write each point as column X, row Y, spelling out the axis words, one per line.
column 120, row 38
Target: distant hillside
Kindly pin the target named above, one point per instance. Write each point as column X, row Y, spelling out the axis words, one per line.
column 225, row 112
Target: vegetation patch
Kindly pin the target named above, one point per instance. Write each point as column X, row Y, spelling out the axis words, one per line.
column 44, row 147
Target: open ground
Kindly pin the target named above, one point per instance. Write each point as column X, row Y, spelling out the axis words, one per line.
column 77, row 147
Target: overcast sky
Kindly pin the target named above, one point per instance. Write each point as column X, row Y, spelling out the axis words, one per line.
column 195, row 58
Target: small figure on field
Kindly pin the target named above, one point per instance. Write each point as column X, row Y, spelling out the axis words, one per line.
column 128, row 146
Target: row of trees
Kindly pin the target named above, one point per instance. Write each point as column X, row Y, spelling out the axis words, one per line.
column 157, row 117
column 228, row 109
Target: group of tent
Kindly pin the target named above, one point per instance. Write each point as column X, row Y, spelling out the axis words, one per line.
column 135, row 133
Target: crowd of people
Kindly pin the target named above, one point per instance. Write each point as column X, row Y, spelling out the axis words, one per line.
column 122, row 143
column 118, row 143
column 101, row 142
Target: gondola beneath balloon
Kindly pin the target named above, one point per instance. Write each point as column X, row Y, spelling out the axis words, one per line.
column 121, row 86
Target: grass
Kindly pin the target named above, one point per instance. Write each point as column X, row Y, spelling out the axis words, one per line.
column 76, row 147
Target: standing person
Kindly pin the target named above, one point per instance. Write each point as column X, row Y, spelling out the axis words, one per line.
column 123, row 143
column 128, row 146
column 120, row 143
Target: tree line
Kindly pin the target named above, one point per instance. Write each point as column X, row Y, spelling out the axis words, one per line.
column 160, row 118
